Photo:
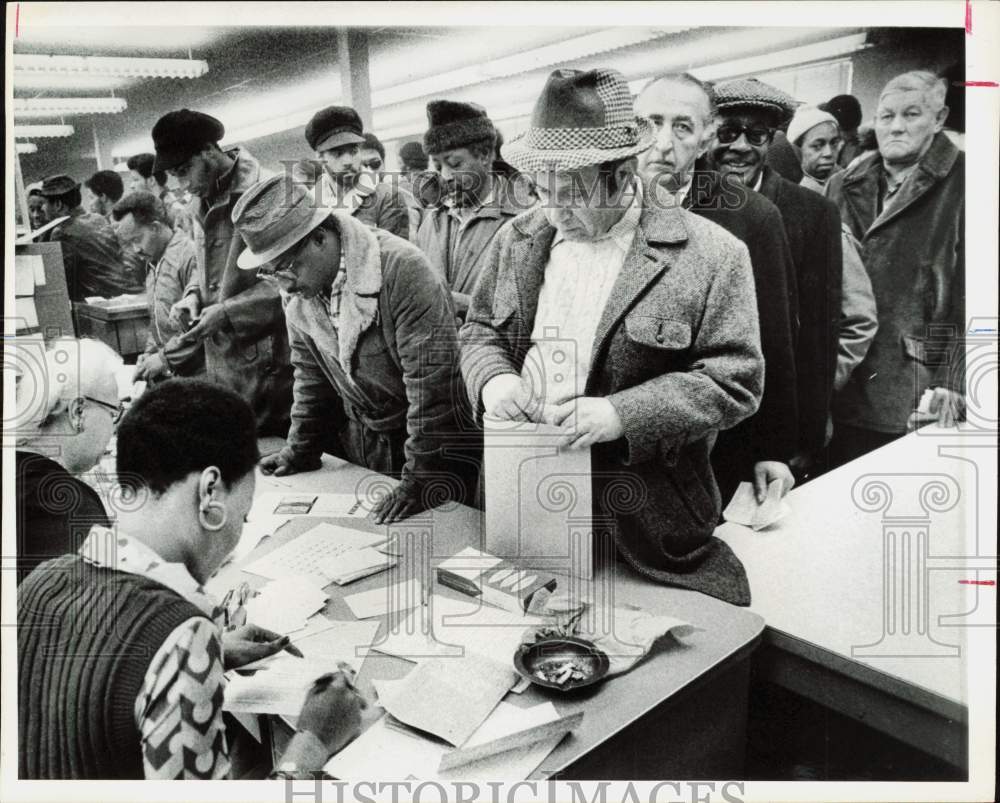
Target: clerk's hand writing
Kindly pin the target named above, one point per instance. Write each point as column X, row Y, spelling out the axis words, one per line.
column 509, row 398
column 211, row 320
column 280, row 464
column 185, row 310
column 250, row 643
column 401, row 502
column 586, row 420
column 332, row 710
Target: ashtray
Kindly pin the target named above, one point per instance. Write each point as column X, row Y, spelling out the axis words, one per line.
column 564, row 663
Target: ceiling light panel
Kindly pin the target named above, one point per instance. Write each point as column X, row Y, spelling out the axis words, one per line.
column 65, row 107
column 42, row 131
column 114, row 66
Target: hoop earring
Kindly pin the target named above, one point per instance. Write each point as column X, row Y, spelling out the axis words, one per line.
column 203, row 517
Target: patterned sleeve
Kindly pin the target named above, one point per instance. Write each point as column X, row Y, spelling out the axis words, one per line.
column 179, row 708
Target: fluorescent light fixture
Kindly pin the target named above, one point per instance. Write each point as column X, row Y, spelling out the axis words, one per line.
column 64, row 107
column 62, row 82
column 117, row 66
column 26, row 147
column 792, row 57
column 42, row 131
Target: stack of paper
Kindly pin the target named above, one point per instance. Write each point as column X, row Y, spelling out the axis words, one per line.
column 326, row 553
column 744, row 508
column 388, row 599
column 284, row 605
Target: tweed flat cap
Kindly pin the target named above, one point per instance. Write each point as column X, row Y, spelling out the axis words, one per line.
column 179, row 135
column 334, row 127
column 451, row 124
column 581, row 118
column 272, row 216
column 754, row 94
column 54, row 186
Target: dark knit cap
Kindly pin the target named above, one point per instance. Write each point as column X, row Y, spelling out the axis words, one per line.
column 452, row 124
column 334, row 127
column 846, row 109
column 55, row 186
column 412, row 156
column 179, row 135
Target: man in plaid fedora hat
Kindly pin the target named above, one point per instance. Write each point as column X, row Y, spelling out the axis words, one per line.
column 656, row 308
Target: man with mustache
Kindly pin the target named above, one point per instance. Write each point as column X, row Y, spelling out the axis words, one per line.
column 750, row 113
column 906, row 204
column 682, row 110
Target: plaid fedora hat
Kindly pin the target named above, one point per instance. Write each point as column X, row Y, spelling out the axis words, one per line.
column 272, row 216
column 581, row 118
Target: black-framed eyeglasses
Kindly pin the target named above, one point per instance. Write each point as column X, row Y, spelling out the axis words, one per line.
column 282, row 269
column 728, row 133
column 116, row 410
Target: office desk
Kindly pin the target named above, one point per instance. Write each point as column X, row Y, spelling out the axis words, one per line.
column 681, row 713
column 860, row 587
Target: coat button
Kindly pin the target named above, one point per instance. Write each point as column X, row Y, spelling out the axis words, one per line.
column 213, row 286
column 659, row 337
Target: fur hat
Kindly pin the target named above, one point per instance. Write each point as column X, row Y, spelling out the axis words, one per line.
column 451, row 124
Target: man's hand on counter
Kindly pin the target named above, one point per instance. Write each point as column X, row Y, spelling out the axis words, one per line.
column 401, row 502
column 280, row 464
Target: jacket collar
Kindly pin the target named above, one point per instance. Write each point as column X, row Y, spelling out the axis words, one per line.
column 861, row 181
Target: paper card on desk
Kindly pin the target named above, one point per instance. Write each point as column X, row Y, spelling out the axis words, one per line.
column 279, row 687
column 450, row 697
column 380, row 601
column 340, row 505
column 328, row 640
column 25, row 313
column 284, row 605
column 470, row 563
column 413, row 756
column 459, row 627
column 356, row 564
column 743, row 508
column 489, row 747
column 294, row 504
column 253, row 533
column 314, row 553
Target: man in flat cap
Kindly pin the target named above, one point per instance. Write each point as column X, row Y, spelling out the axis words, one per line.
column 234, row 314
column 91, row 254
column 682, row 110
column 337, row 136
column 906, row 204
column 749, row 114
column 374, row 345
column 655, row 307
column 455, row 236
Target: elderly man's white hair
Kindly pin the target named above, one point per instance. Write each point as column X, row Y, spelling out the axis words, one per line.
column 934, row 87
column 68, row 368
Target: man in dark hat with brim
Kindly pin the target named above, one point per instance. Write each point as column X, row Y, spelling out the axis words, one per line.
column 461, row 140
column 337, row 136
column 91, row 254
column 374, row 346
column 234, row 314
column 655, row 308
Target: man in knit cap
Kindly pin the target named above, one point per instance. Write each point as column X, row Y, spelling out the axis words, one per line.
column 455, row 236
column 629, row 325
column 749, row 114
column 336, row 135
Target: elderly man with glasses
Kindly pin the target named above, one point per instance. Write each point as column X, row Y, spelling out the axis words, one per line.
column 373, row 344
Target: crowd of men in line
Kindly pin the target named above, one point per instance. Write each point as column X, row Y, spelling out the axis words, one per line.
column 699, row 284
column 856, row 275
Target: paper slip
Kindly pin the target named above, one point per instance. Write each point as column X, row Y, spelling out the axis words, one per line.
column 274, row 503
column 459, row 628
column 324, row 551
column 328, row 640
column 386, row 752
column 35, row 264
column 470, row 563
column 284, row 605
column 450, row 697
column 380, row 601
column 253, row 533
column 278, row 688
column 24, row 278
column 743, row 508
column 475, row 753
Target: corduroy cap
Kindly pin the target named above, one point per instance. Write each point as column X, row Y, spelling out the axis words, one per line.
column 334, row 127
column 54, row 186
column 179, row 135
column 272, row 216
column 451, row 124
column 807, row 117
column 581, row 118
column 754, row 94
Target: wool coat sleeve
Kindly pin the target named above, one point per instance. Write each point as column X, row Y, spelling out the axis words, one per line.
column 255, row 311
column 724, row 375
column 393, row 215
column 858, row 317
column 180, row 355
column 427, row 348
column 313, row 396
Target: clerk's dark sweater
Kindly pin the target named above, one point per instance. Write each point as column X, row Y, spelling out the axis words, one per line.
column 86, row 636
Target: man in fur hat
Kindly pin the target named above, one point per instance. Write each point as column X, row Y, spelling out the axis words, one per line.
column 656, row 307
column 374, row 347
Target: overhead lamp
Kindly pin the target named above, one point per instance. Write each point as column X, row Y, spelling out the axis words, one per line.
column 42, row 131
column 63, row 107
column 115, row 66
column 26, row 147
